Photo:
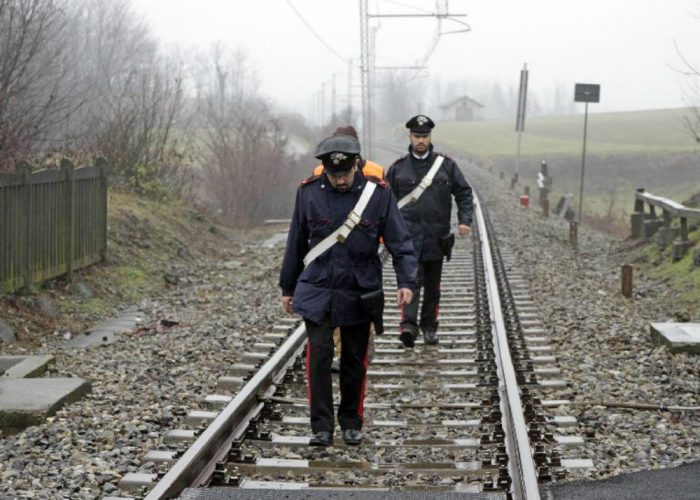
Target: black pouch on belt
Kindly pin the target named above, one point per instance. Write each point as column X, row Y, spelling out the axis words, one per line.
column 373, row 306
column 446, row 244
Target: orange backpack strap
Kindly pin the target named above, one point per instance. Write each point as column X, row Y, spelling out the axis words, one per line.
column 379, row 182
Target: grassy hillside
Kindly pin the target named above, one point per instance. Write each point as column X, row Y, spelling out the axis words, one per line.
column 151, row 246
column 639, row 132
column 625, row 151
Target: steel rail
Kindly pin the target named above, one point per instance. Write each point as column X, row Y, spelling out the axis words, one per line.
column 197, row 463
column 521, row 464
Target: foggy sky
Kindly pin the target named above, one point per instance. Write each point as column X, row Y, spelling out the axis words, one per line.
column 627, row 46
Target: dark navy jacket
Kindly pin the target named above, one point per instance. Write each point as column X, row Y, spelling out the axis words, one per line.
column 428, row 219
column 332, row 284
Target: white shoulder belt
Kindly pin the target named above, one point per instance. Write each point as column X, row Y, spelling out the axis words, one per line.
column 426, row 181
column 342, row 233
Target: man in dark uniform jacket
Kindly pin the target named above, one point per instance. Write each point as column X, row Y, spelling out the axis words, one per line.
column 327, row 291
column 428, row 220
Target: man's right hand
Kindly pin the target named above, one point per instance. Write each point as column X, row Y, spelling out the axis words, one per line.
column 287, row 304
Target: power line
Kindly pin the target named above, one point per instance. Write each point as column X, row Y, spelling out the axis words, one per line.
column 314, row 32
column 400, row 4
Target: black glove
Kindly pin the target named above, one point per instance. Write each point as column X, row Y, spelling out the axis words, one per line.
column 446, row 244
column 373, row 306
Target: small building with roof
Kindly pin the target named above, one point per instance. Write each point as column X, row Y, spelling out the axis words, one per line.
column 462, row 109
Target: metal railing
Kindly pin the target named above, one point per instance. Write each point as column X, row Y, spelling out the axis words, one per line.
column 648, row 224
column 51, row 223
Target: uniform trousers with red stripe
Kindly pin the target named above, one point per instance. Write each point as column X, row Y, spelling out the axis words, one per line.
column 429, row 277
column 354, row 340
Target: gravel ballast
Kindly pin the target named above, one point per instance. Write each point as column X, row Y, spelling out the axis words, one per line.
column 143, row 385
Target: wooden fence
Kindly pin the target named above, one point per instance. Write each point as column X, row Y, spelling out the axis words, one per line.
column 51, row 223
column 648, row 224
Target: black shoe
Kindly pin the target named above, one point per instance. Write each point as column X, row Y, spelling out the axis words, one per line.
column 352, row 437
column 407, row 338
column 321, row 438
column 430, row 336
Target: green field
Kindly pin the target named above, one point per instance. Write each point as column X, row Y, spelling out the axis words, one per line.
column 638, row 132
column 625, row 151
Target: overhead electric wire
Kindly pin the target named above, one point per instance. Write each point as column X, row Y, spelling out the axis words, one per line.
column 401, row 4
column 310, row 28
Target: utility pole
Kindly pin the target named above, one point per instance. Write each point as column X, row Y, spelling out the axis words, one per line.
column 333, row 99
column 520, row 121
column 364, row 79
column 367, row 58
column 350, row 90
column 323, row 103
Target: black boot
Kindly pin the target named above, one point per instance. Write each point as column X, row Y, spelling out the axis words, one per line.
column 352, row 437
column 407, row 338
column 321, row 438
column 430, row 336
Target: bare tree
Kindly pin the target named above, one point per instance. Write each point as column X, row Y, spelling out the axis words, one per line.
column 691, row 119
column 134, row 100
column 691, row 71
column 247, row 163
column 36, row 67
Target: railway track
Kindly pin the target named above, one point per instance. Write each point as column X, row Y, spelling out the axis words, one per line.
column 481, row 413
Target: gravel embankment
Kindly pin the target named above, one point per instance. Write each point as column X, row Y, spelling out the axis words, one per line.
column 602, row 341
column 144, row 385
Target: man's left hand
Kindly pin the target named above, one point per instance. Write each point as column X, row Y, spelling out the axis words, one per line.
column 463, row 229
column 404, row 296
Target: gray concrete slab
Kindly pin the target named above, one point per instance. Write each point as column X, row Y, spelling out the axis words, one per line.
column 108, row 331
column 679, row 483
column 679, row 337
column 277, row 239
column 24, row 366
column 28, row 401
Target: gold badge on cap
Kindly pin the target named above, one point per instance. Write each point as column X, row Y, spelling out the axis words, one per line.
column 336, row 158
column 422, row 120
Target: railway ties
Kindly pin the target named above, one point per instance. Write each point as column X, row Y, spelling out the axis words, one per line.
column 430, row 417
column 422, row 416
column 437, row 418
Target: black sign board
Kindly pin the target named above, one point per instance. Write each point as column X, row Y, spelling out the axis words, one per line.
column 587, row 92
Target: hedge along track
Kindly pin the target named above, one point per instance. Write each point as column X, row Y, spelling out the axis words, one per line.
column 474, row 414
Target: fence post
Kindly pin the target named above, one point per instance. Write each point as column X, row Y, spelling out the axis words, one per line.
column 101, row 163
column 681, row 247
column 627, row 272
column 637, row 218
column 25, row 220
column 573, row 234
column 651, row 225
column 69, row 172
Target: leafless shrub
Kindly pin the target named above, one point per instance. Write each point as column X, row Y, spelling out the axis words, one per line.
column 37, row 64
column 246, row 159
column 691, row 71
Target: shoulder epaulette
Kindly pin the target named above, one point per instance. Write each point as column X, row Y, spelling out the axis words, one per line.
column 399, row 159
column 379, row 182
column 311, row 179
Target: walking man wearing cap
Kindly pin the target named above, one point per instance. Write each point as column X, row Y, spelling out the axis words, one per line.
column 331, row 272
column 368, row 167
column 424, row 183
